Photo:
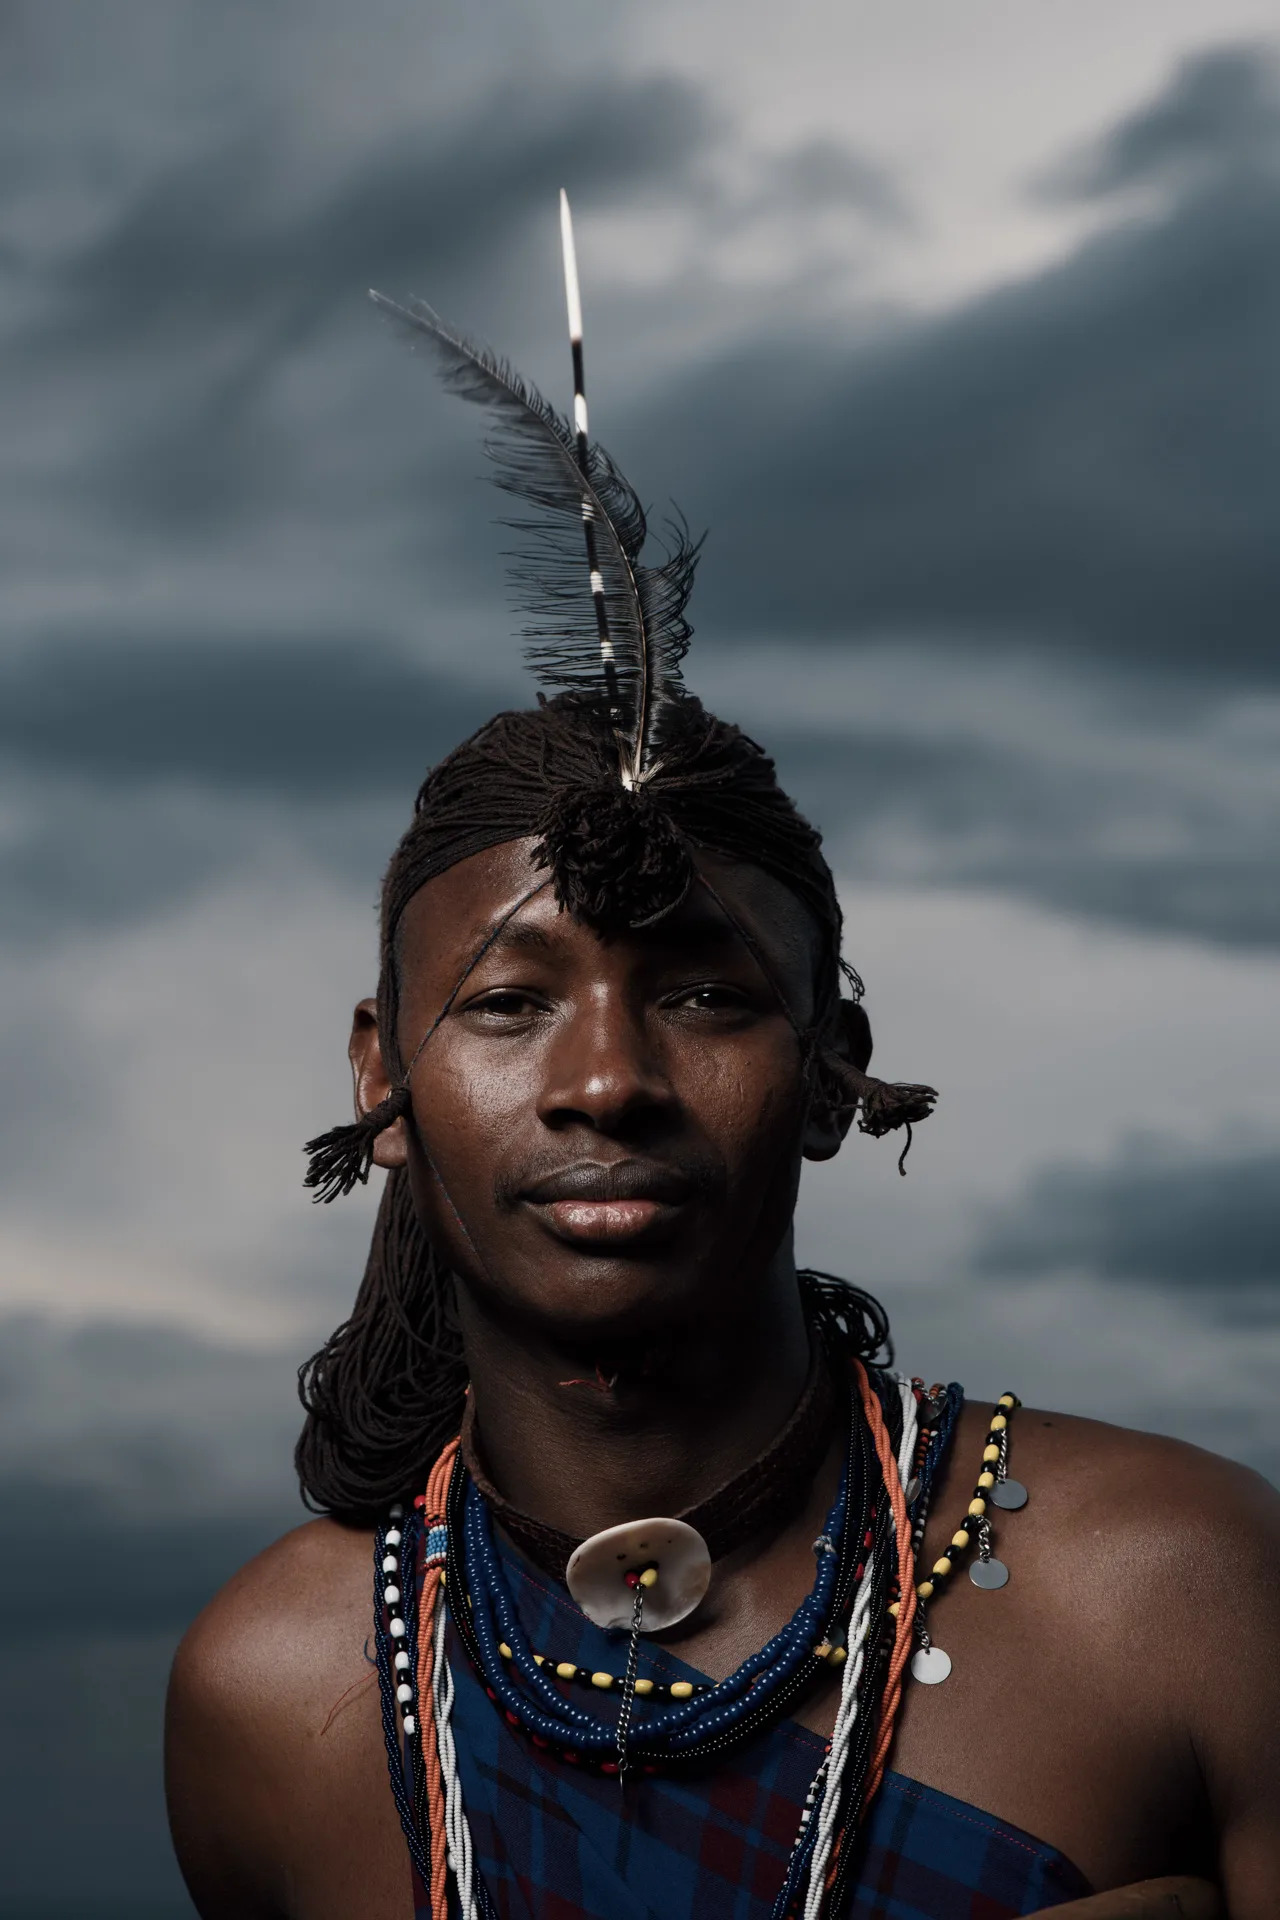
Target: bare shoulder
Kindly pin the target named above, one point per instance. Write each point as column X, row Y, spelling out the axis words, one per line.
column 1165, row 1498
column 274, row 1772
column 1136, row 1536
column 284, row 1626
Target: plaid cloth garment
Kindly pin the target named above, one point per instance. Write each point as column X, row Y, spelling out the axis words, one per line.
column 557, row 1844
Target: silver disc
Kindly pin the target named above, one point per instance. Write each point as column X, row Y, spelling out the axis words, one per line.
column 1009, row 1494
column 989, row 1574
column 929, row 1665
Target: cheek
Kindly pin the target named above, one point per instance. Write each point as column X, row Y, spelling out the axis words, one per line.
column 461, row 1106
column 749, row 1100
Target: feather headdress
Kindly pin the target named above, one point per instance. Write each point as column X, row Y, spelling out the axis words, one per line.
column 614, row 628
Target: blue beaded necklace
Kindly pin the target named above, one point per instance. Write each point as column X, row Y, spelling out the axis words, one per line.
column 857, row 1537
column 718, row 1717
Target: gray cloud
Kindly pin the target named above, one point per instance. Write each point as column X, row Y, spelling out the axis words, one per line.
column 76, row 857
column 156, row 1425
column 1218, row 111
column 823, row 173
column 141, row 771
column 138, row 772
column 1160, row 1215
column 1080, row 459
column 298, row 717
column 177, row 352
column 162, row 1460
column 1084, row 460
column 121, row 1866
column 147, row 1578
column 236, row 227
column 1131, row 849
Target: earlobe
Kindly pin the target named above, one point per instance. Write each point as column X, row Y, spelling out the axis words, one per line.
column 371, row 1084
column 830, row 1119
column 824, row 1131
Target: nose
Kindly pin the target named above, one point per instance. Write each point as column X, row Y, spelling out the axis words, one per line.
column 604, row 1071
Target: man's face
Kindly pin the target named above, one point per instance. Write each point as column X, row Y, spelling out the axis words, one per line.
column 608, row 1131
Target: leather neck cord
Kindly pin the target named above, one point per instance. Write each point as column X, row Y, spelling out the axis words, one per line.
column 762, row 1497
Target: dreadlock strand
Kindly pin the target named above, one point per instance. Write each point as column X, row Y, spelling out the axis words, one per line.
column 386, row 1390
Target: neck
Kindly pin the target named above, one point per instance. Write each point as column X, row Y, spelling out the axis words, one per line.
column 581, row 1449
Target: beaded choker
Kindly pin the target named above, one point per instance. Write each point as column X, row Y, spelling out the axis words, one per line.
column 761, row 1497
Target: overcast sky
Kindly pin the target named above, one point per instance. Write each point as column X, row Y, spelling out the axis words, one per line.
column 956, row 328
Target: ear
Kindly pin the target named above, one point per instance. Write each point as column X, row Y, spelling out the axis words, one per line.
column 372, row 1083
column 849, row 1038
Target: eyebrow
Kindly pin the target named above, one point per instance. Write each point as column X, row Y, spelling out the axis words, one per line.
column 522, row 936
column 697, row 926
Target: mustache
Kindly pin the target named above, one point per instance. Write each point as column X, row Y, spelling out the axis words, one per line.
column 604, row 1180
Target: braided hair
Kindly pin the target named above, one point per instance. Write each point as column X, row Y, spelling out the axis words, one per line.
column 386, row 1390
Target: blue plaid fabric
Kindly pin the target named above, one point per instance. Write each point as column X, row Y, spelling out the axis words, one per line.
column 557, row 1843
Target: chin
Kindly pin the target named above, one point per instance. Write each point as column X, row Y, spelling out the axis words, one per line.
column 606, row 1297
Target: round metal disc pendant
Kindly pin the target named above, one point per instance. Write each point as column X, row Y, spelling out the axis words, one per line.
column 930, row 1665
column 990, row 1575
column 1009, row 1494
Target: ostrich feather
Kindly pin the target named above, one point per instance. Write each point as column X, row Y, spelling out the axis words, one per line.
column 535, row 459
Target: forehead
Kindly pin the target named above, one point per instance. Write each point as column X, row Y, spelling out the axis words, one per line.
column 451, row 916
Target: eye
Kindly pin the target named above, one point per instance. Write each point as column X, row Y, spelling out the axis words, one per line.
column 712, row 996
column 505, row 1004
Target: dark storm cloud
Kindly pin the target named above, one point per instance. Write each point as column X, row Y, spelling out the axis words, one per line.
column 121, row 1866
column 230, row 235
column 140, row 772
column 1219, row 110
column 192, row 354
column 146, row 1576
column 78, row 858
column 152, row 1422
column 140, row 1466
column 1120, row 847
column 1087, row 459
column 1160, row 1215
column 298, row 717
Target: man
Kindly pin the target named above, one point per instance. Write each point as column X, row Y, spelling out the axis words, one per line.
column 609, row 1029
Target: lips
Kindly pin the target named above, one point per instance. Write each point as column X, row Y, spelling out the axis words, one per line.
column 608, row 1204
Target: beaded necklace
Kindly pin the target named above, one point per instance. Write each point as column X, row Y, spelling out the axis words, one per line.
column 689, row 1728
column 930, row 1664
column 862, row 1555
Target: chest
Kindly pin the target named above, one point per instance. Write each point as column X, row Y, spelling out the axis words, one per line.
column 1056, row 1714
column 1047, row 1722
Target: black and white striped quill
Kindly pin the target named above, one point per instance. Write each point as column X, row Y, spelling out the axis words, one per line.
column 573, row 304
column 615, row 628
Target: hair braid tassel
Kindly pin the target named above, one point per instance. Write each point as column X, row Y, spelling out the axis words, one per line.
column 341, row 1159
